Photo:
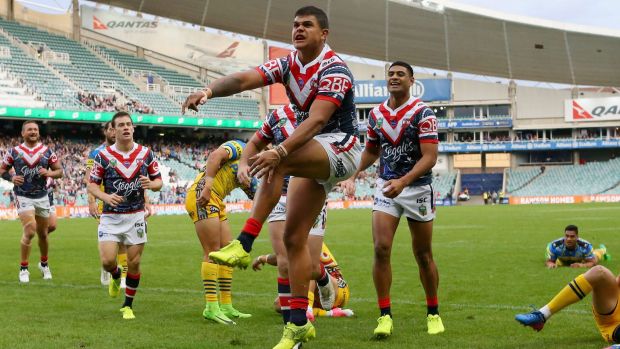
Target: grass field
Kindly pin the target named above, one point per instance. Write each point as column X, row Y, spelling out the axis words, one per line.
column 490, row 261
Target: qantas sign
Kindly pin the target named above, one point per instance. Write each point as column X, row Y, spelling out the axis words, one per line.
column 138, row 24
column 592, row 109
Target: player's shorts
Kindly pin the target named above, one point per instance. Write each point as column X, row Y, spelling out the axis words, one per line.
column 608, row 323
column 278, row 214
column 216, row 208
column 40, row 206
column 415, row 202
column 344, row 152
column 128, row 229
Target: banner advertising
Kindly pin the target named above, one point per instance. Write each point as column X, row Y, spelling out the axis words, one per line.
column 527, row 146
column 139, row 119
column 563, row 199
column 375, row 91
column 187, row 44
column 592, row 109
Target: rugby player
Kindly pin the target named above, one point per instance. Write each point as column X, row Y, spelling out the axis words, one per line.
column 278, row 126
column 205, row 206
column 126, row 170
column 323, row 150
column 33, row 163
column 402, row 132
column 573, row 251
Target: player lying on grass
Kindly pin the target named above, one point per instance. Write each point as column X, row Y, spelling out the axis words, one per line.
column 573, row 251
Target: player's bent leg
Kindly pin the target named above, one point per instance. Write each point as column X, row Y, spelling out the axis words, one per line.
column 383, row 230
column 42, row 235
column 305, row 201
column 134, row 255
column 604, row 289
column 107, row 253
column 29, row 227
column 422, row 233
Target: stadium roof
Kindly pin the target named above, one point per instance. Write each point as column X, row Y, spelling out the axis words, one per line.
column 453, row 38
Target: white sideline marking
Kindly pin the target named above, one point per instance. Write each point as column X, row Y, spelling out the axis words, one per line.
column 263, row 294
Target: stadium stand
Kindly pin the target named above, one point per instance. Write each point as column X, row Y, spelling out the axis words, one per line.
column 590, row 178
column 520, row 177
column 478, row 183
column 90, row 73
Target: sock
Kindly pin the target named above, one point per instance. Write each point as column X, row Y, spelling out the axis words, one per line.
column 385, row 306
column 284, row 296
column 323, row 280
column 298, row 310
column 132, row 286
column 44, row 261
column 575, row 291
column 224, row 280
column 209, row 281
column 122, row 261
column 432, row 306
column 250, row 231
column 310, row 299
column 116, row 274
column 23, row 265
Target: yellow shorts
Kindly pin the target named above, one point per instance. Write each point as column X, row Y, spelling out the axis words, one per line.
column 342, row 298
column 607, row 324
column 215, row 208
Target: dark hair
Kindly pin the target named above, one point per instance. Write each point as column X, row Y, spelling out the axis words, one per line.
column 120, row 114
column 319, row 14
column 29, row 122
column 403, row 64
column 571, row 227
column 105, row 125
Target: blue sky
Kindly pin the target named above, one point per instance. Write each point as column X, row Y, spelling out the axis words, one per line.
column 596, row 13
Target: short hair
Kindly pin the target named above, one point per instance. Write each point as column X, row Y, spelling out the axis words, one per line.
column 403, row 64
column 105, row 125
column 120, row 114
column 319, row 14
column 572, row 227
column 29, row 122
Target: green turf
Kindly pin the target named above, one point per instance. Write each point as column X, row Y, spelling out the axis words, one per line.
column 490, row 261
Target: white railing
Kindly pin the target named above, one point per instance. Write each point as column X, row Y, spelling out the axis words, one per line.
column 153, row 87
column 56, row 57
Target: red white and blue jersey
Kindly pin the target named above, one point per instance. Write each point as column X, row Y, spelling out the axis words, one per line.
column 399, row 133
column 27, row 162
column 278, row 126
column 327, row 77
column 120, row 174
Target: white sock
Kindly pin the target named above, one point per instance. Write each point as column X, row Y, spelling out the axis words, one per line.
column 546, row 312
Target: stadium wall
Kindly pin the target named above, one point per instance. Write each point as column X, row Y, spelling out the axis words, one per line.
column 58, row 23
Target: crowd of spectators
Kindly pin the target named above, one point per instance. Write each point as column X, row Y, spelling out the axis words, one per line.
column 112, row 103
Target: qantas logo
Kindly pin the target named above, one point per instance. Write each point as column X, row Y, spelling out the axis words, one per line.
column 229, row 51
column 579, row 112
column 99, row 25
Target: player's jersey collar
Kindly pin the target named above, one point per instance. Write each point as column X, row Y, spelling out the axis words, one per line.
column 125, row 154
column 386, row 105
column 319, row 58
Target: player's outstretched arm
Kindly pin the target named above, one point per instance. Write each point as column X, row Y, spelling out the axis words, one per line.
column 223, row 87
column 394, row 187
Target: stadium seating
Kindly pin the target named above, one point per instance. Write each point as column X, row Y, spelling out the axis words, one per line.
column 519, row 177
column 591, row 178
column 443, row 183
column 37, row 78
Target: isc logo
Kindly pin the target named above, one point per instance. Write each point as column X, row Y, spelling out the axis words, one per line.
column 422, row 200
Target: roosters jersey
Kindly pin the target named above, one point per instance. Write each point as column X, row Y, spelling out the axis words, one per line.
column 278, row 126
column 91, row 156
column 27, row 162
column 327, row 77
column 120, row 174
column 226, row 178
column 399, row 133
